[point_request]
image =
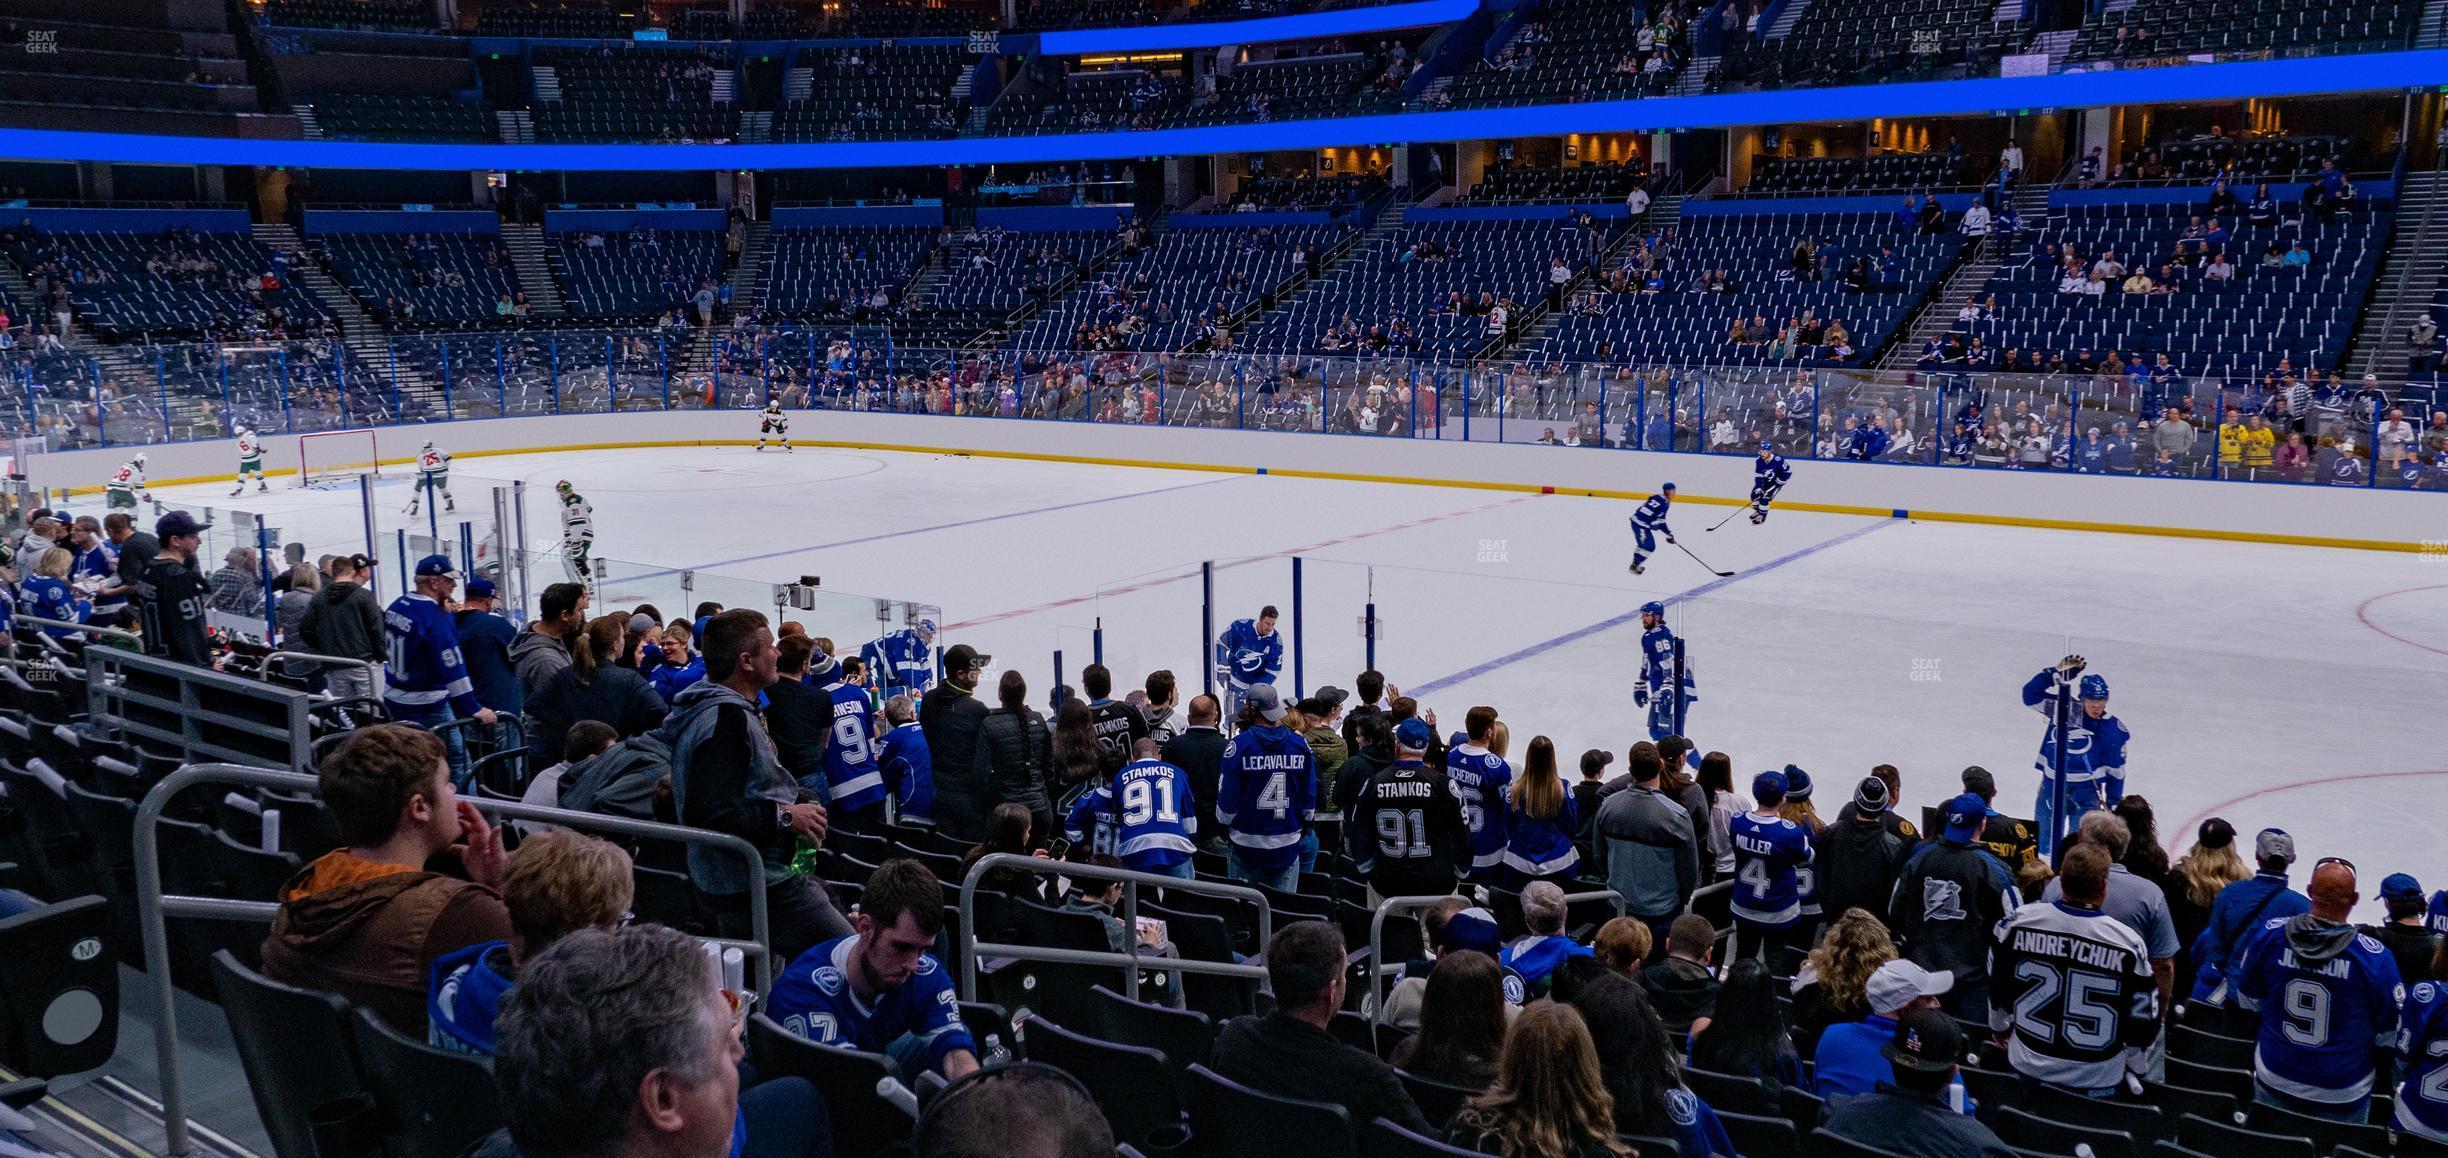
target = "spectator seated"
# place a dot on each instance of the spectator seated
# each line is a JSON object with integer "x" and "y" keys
{"x": 2164, "y": 28}
{"x": 180, "y": 284}
{"x": 837, "y": 272}
{"x": 1338, "y": 194}
{"x": 406, "y": 280}
{"x": 2199, "y": 159}
{"x": 873, "y": 94}
{"x": 580, "y": 21}
{"x": 123, "y": 62}
{"x": 636, "y": 273}
{"x": 1112, "y": 98}
{"x": 1884, "y": 173}
{"x": 1847, "y": 44}
{"x": 1327, "y": 84}
{"x": 401, "y": 117}
{"x": 1580, "y": 50}
{"x": 1429, "y": 289}
{"x": 1170, "y": 294}
{"x": 996, "y": 271}
{"x": 628, "y": 93}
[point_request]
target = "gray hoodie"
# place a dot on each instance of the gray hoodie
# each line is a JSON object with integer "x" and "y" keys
{"x": 726, "y": 777}
{"x": 344, "y": 622}
{"x": 536, "y": 658}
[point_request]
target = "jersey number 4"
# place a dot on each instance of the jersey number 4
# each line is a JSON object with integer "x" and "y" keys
{"x": 1276, "y": 796}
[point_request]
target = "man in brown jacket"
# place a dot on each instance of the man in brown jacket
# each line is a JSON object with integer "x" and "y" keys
{"x": 367, "y": 920}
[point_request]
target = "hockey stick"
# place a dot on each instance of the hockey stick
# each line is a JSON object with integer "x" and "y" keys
{"x": 1697, "y": 559}
{"x": 1730, "y": 518}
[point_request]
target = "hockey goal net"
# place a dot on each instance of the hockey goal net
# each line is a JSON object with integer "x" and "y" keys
{"x": 333, "y": 457}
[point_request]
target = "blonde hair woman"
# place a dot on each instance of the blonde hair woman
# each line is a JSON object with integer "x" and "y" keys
{"x": 1548, "y": 1101}
{"x": 1832, "y": 983}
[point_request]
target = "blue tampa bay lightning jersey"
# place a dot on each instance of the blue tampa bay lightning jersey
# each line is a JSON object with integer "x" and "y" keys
{"x": 2422, "y": 1051}
{"x": 1657, "y": 663}
{"x": 900, "y": 661}
{"x": 47, "y": 598}
{"x": 2328, "y": 996}
{"x": 425, "y": 668}
{"x": 1767, "y": 854}
{"x": 1652, "y": 512}
{"x": 813, "y": 999}
{"x": 2095, "y": 749}
{"x": 1480, "y": 778}
{"x": 1767, "y": 474}
{"x": 852, "y": 775}
{"x": 1266, "y": 793}
{"x": 1247, "y": 657}
{"x": 910, "y": 769}
{"x": 1142, "y": 818}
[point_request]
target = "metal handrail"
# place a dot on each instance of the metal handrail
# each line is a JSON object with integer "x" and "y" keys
{"x": 324, "y": 660}
{"x": 94, "y": 630}
{"x": 153, "y": 907}
{"x": 1377, "y": 964}
{"x": 1129, "y": 959}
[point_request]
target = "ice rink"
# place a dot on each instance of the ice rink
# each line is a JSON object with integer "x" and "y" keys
{"x": 2299, "y": 687}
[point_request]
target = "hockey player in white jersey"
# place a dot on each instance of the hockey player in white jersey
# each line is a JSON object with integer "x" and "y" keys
{"x": 127, "y": 484}
{"x": 250, "y": 462}
{"x": 774, "y": 423}
{"x": 433, "y": 477}
{"x": 1768, "y": 476}
{"x": 577, "y": 533}
{"x": 1648, "y": 523}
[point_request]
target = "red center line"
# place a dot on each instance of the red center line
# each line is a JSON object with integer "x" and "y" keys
{"x": 1161, "y": 580}
{"x": 2193, "y": 826}
{"x": 2361, "y": 612}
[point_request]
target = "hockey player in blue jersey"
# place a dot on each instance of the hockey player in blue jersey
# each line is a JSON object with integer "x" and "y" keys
{"x": 1768, "y": 852}
{"x": 1248, "y": 654}
{"x": 879, "y": 989}
{"x": 2422, "y": 1056}
{"x": 855, "y": 782}
{"x": 425, "y": 680}
{"x": 2328, "y": 998}
{"x": 1648, "y": 523}
{"x": 2095, "y": 748}
{"x": 1768, "y": 476}
{"x": 1667, "y": 713}
{"x": 1143, "y": 817}
{"x": 903, "y": 661}
{"x": 1265, "y": 794}
{"x": 1480, "y": 779}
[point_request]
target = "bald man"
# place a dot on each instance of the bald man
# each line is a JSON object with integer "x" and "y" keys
{"x": 2328, "y": 998}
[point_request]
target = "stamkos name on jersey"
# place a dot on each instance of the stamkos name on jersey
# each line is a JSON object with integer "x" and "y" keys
{"x": 2057, "y": 945}
{"x": 1387, "y": 788}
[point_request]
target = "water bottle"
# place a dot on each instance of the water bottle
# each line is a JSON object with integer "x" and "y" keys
{"x": 1955, "y": 1095}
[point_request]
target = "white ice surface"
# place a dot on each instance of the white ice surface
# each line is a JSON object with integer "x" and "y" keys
{"x": 2288, "y": 686}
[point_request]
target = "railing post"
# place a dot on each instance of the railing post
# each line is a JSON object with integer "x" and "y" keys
{"x": 1206, "y": 649}
{"x": 552, "y": 373}
{"x": 450, "y": 402}
{"x": 501, "y": 382}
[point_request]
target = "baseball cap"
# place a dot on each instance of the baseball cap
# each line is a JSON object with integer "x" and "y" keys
{"x": 480, "y": 589}
{"x": 1768, "y": 784}
{"x": 432, "y": 566}
{"x": 1965, "y": 815}
{"x": 1472, "y": 929}
{"x": 1264, "y": 698}
{"x": 1414, "y": 734}
{"x": 1977, "y": 779}
{"x": 2216, "y": 833}
{"x": 177, "y": 523}
{"x": 2274, "y": 843}
{"x": 640, "y": 623}
{"x": 2401, "y": 887}
{"x": 1870, "y": 796}
{"x": 1926, "y": 1041}
{"x": 1897, "y": 983}
{"x": 1332, "y": 695}
{"x": 962, "y": 657}
{"x": 1595, "y": 761}
{"x": 1797, "y": 783}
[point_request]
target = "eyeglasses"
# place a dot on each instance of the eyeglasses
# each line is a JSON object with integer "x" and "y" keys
{"x": 741, "y": 1001}
{"x": 2326, "y": 861}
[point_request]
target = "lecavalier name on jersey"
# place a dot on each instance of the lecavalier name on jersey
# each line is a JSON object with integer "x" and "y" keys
{"x": 2042, "y": 943}
{"x": 1265, "y": 763}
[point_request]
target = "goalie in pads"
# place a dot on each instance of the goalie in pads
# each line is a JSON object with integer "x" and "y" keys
{"x": 577, "y": 533}
{"x": 774, "y": 423}
{"x": 433, "y": 477}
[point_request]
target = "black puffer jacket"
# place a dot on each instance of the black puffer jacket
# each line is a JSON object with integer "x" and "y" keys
{"x": 1013, "y": 752}
{"x": 948, "y": 716}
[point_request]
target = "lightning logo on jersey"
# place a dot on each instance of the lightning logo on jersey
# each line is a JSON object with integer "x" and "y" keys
{"x": 1768, "y": 476}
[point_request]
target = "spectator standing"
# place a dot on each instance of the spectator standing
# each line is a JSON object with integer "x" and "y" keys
{"x": 289, "y": 614}
{"x": 1290, "y": 1054}
{"x": 1652, "y": 856}
{"x": 949, "y": 714}
{"x": 369, "y": 920}
{"x": 674, "y": 668}
{"x": 1266, "y": 793}
{"x": 2193, "y": 888}
{"x": 1321, "y": 715}
{"x": 238, "y": 587}
{"x": 2396, "y": 441}
{"x": 1909, "y": 1115}
{"x": 1199, "y": 752}
{"x": 854, "y": 783}
{"x": 1118, "y": 725}
{"x": 1541, "y": 816}
{"x": 596, "y": 686}
{"x": 1405, "y": 828}
{"x": 908, "y": 769}
{"x": 2241, "y": 908}
{"x": 1768, "y": 848}
{"x": 2070, "y": 964}
{"x": 484, "y": 645}
{"x": 799, "y": 713}
{"x": 344, "y": 623}
{"x": 2132, "y": 901}
{"x": 1860, "y": 857}
{"x": 544, "y": 649}
{"x": 2328, "y": 1000}
{"x": 2405, "y": 935}
{"x": 1164, "y": 716}
{"x": 1015, "y": 752}
{"x": 1951, "y": 895}
{"x": 725, "y": 777}
{"x": 1548, "y": 1100}
{"x": 1142, "y": 815}
{"x": 171, "y": 598}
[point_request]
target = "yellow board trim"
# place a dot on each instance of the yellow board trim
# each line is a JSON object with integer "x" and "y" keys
{"x": 1465, "y": 484}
